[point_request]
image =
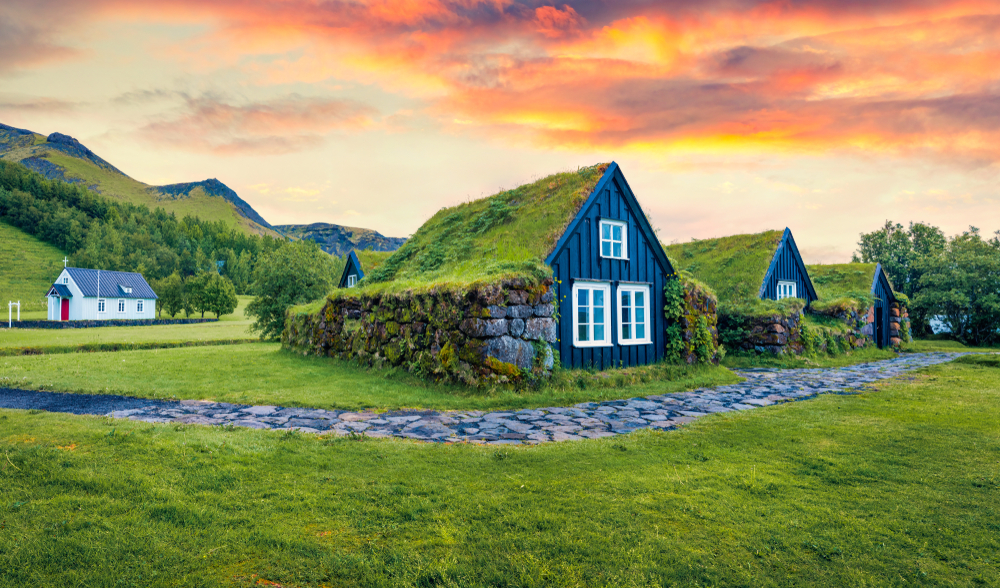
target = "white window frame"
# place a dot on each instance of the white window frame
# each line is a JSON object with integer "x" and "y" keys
{"x": 65, "y": 280}
{"x": 785, "y": 289}
{"x": 611, "y": 242}
{"x": 604, "y": 287}
{"x": 138, "y": 306}
{"x": 352, "y": 280}
{"x": 101, "y": 305}
{"x": 121, "y": 306}
{"x": 631, "y": 289}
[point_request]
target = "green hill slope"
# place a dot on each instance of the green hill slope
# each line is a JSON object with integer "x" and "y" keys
{"x": 27, "y": 269}
{"x": 339, "y": 240}
{"x": 61, "y": 157}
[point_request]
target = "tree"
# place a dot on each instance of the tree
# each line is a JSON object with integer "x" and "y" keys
{"x": 197, "y": 292}
{"x": 901, "y": 251}
{"x": 170, "y": 291}
{"x": 961, "y": 285}
{"x": 220, "y": 295}
{"x": 293, "y": 274}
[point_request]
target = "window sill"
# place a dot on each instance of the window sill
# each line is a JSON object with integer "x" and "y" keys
{"x": 614, "y": 258}
{"x": 636, "y": 342}
{"x": 585, "y": 345}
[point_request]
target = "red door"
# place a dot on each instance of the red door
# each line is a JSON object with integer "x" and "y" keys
{"x": 65, "y": 309}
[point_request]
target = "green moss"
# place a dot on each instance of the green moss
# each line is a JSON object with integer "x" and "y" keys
{"x": 835, "y": 280}
{"x": 733, "y": 267}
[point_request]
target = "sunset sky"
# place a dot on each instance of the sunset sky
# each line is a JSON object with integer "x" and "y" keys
{"x": 726, "y": 116}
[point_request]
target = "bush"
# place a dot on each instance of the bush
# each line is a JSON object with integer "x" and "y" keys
{"x": 296, "y": 273}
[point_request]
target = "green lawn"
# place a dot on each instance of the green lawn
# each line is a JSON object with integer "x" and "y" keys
{"x": 931, "y": 345}
{"x": 230, "y": 327}
{"x": 27, "y": 269}
{"x": 737, "y": 361}
{"x": 899, "y": 487}
{"x": 262, "y": 373}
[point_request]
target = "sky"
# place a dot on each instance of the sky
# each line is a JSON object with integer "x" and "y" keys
{"x": 726, "y": 116}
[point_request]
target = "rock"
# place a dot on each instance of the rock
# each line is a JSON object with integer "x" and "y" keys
{"x": 510, "y": 350}
{"x": 544, "y": 310}
{"x": 775, "y": 328}
{"x": 517, "y": 297}
{"x": 540, "y": 329}
{"x": 497, "y": 312}
{"x": 548, "y": 296}
{"x": 516, "y": 327}
{"x": 522, "y": 311}
{"x": 894, "y": 312}
{"x": 548, "y": 359}
{"x": 484, "y": 328}
{"x": 260, "y": 410}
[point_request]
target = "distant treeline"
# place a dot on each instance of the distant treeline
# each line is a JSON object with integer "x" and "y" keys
{"x": 98, "y": 232}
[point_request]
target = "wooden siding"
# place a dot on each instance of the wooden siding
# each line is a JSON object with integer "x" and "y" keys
{"x": 882, "y": 291}
{"x": 352, "y": 267}
{"x": 787, "y": 267}
{"x": 578, "y": 259}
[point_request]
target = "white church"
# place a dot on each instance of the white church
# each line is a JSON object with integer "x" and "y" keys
{"x": 96, "y": 295}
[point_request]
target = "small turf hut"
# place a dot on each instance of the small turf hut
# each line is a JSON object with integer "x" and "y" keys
{"x": 765, "y": 266}
{"x": 488, "y": 289}
{"x": 358, "y": 262}
{"x": 847, "y": 285}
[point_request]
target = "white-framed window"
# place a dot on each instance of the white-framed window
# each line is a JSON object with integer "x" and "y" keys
{"x": 633, "y": 315}
{"x": 614, "y": 237}
{"x": 352, "y": 280}
{"x": 65, "y": 280}
{"x": 100, "y": 305}
{"x": 786, "y": 290}
{"x": 138, "y": 306}
{"x": 591, "y": 314}
{"x": 121, "y": 305}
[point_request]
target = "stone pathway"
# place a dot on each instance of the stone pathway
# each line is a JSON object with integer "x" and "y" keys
{"x": 763, "y": 387}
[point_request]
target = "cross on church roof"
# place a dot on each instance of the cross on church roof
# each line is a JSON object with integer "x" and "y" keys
{"x": 65, "y": 261}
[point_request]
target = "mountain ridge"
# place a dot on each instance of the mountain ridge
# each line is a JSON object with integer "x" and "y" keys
{"x": 339, "y": 239}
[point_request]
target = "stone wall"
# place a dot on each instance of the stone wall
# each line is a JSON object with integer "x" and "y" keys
{"x": 490, "y": 334}
{"x": 693, "y": 324}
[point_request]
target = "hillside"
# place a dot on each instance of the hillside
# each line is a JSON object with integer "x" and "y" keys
{"x": 61, "y": 157}
{"x": 339, "y": 240}
{"x": 29, "y": 268}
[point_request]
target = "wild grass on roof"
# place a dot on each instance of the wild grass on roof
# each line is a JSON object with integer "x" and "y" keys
{"x": 507, "y": 235}
{"x": 834, "y": 280}
{"x": 371, "y": 260}
{"x": 733, "y": 266}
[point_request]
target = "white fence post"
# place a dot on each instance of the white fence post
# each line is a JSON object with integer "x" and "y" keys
{"x": 10, "y": 312}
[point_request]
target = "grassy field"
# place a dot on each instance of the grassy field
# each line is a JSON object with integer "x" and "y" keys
{"x": 899, "y": 487}
{"x": 736, "y": 361}
{"x": 261, "y": 373}
{"x": 931, "y": 345}
{"x": 29, "y": 267}
{"x": 229, "y": 327}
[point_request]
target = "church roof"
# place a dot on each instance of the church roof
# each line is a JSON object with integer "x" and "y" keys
{"x": 113, "y": 284}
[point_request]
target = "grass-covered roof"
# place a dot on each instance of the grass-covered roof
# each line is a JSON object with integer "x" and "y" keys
{"x": 506, "y": 235}
{"x": 835, "y": 280}
{"x": 734, "y": 266}
{"x": 371, "y": 260}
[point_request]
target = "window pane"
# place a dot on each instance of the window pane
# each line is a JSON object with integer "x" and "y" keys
{"x": 640, "y": 331}
{"x": 581, "y": 316}
{"x": 626, "y": 331}
{"x": 640, "y": 299}
{"x": 606, "y": 248}
{"x": 582, "y": 333}
{"x": 640, "y": 314}
{"x": 598, "y": 332}
{"x": 626, "y": 314}
{"x": 616, "y": 233}
{"x": 582, "y": 296}
{"x": 618, "y": 250}
{"x": 605, "y": 231}
{"x": 598, "y": 300}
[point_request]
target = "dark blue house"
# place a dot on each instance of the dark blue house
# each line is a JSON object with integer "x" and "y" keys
{"x": 610, "y": 271}
{"x": 884, "y": 299}
{"x": 358, "y": 262}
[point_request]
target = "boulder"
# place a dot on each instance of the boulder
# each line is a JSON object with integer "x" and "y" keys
{"x": 775, "y": 328}
{"x": 497, "y": 312}
{"x": 484, "y": 328}
{"x": 548, "y": 359}
{"x": 547, "y": 297}
{"x": 516, "y": 327}
{"x": 510, "y": 350}
{"x": 517, "y": 297}
{"x": 544, "y": 310}
{"x": 521, "y": 311}
{"x": 540, "y": 329}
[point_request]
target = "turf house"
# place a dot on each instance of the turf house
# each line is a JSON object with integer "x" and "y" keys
{"x": 566, "y": 269}
{"x": 357, "y": 263}
{"x": 762, "y": 285}
{"x": 86, "y": 294}
{"x": 865, "y": 289}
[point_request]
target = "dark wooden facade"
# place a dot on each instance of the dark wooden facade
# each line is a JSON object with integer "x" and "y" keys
{"x": 884, "y": 297}
{"x": 353, "y": 267}
{"x": 787, "y": 266}
{"x": 577, "y": 258}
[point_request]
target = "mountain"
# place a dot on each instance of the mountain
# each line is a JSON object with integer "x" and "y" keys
{"x": 61, "y": 157}
{"x": 339, "y": 240}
